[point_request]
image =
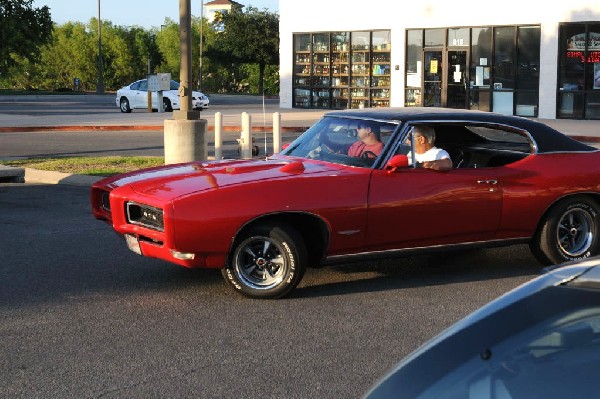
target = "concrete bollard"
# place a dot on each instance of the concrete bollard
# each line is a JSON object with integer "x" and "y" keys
{"x": 185, "y": 140}
{"x": 276, "y": 132}
{"x": 246, "y": 136}
{"x": 218, "y": 135}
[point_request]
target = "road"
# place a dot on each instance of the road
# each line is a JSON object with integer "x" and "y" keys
{"x": 89, "y": 112}
{"x": 101, "y": 110}
{"x": 83, "y": 317}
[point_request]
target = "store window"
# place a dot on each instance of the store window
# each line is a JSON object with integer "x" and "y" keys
{"x": 578, "y": 94}
{"x": 528, "y": 71}
{"x": 339, "y": 70}
{"x": 482, "y": 68}
{"x": 458, "y": 37}
{"x": 504, "y": 69}
{"x": 380, "y": 69}
{"x": 414, "y": 54}
{"x": 302, "y": 51}
{"x": 434, "y": 37}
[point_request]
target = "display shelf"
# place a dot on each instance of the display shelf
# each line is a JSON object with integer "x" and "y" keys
{"x": 342, "y": 70}
{"x": 380, "y": 103}
{"x": 321, "y": 98}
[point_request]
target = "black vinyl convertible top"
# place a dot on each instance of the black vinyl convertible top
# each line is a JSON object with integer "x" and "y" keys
{"x": 546, "y": 138}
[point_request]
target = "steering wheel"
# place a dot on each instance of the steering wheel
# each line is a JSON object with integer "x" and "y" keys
{"x": 368, "y": 155}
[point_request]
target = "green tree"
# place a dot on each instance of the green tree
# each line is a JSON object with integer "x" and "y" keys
{"x": 23, "y": 30}
{"x": 250, "y": 37}
{"x": 72, "y": 53}
{"x": 167, "y": 41}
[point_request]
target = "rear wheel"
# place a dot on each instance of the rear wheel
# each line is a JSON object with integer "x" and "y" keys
{"x": 267, "y": 262}
{"x": 569, "y": 232}
{"x": 124, "y": 105}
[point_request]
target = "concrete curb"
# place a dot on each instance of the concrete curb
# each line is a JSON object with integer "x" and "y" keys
{"x": 12, "y": 174}
{"x": 48, "y": 177}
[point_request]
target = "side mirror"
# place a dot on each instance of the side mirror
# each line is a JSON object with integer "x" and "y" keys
{"x": 397, "y": 161}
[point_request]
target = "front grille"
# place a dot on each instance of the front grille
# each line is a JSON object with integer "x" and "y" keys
{"x": 144, "y": 215}
{"x": 105, "y": 200}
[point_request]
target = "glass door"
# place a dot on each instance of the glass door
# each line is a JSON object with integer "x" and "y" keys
{"x": 432, "y": 78}
{"x": 456, "y": 79}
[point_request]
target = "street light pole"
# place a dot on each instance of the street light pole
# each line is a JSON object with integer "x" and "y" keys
{"x": 184, "y": 135}
{"x": 201, "y": 43}
{"x": 185, "y": 67}
{"x": 100, "y": 84}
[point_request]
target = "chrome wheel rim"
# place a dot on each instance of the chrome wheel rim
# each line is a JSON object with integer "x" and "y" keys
{"x": 575, "y": 232}
{"x": 258, "y": 263}
{"x": 123, "y": 105}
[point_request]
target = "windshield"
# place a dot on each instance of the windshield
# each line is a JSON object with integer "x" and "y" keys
{"x": 345, "y": 141}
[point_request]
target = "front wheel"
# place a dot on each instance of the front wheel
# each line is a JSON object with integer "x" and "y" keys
{"x": 569, "y": 232}
{"x": 124, "y": 105}
{"x": 267, "y": 262}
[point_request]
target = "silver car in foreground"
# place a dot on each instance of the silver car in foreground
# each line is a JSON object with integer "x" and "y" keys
{"x": 541, "y": 340}
{"x": 135, "y": 96}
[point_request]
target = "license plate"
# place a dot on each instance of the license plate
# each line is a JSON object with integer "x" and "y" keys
{"x": 133, "y": 244}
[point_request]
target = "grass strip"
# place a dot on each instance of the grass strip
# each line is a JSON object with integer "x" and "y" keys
{"x": 93, "y": 166}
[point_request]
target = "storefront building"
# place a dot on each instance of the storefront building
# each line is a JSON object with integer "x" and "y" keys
{"x": 523, "y": 59}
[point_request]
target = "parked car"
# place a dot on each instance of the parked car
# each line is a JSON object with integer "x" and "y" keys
{"x": 135, "y": 96}
{"x": 541, "y": 340}
{"x": 263, "y": 222}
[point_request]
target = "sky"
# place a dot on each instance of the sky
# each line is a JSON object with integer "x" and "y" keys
{"x": 145, "y": 13}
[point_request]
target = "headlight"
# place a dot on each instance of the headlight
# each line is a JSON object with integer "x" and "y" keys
{"x": 144, "y": 215}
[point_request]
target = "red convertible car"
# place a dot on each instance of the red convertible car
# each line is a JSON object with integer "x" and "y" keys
{"x": 263, "y": 222}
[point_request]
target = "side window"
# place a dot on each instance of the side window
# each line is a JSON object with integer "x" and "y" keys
{"x": 405, "y": 145}
{"x": 135, "y": 86}
{"x": 143, "y": 85}
{"x": 473, "y": 145}
{"x": 499, "y": 146}
{"x": 386, "y": 131}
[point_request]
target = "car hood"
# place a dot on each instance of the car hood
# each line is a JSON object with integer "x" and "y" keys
{"x": 168, "y": 182}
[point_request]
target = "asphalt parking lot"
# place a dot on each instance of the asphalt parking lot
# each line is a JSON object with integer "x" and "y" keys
{"x": 84, "y": 317}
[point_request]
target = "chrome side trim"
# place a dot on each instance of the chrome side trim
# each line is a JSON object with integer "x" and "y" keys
{"x": 417, "y": 250}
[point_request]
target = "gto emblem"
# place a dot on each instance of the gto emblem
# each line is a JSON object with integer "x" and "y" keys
{"x": 149, "y": 215}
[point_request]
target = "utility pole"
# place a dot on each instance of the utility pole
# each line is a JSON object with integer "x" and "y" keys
{"x": 201, "y": 43}
{"x": 100, "y": 84}
{"x": 185, "y": 134}
{"x": 185, "y": 67}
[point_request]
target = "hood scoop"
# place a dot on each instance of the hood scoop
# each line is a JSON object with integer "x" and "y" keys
{"x": 293, "y": 167}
